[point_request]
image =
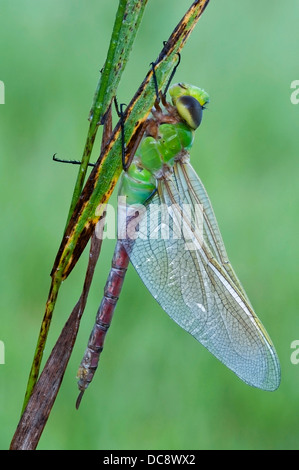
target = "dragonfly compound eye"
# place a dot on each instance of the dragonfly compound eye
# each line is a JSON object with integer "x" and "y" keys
{"x": 190, "y": 110}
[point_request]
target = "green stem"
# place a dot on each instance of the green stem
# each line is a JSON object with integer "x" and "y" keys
{"x": 33, "y": 376}
{"x": 126, "y": 24}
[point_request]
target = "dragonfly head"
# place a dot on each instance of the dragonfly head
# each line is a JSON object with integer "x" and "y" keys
{"x": 189, "y": 101}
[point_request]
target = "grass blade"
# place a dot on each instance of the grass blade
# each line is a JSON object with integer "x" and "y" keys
{"x": 127, "y": 21}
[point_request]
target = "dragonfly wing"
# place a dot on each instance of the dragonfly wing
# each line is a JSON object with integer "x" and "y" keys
{"x": 189, "y": 275}
{"x": 192, "y": 191}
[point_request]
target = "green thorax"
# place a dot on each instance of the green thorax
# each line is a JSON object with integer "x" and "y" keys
{"x": 152, "y": 156}
{"x": 155, "y": 155}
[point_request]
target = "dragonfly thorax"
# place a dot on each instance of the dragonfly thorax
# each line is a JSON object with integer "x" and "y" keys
{"x": 169, "y": 137}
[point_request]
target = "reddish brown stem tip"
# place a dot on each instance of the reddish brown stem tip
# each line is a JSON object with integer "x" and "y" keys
{"x": 78, "y": 401}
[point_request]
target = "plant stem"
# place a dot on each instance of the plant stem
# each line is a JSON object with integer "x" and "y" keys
{"x": 126, "y": 24}
{"x": 127, "y": 21}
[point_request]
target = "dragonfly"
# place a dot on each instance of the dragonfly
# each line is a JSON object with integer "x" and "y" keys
{"x": 168, "y": 231}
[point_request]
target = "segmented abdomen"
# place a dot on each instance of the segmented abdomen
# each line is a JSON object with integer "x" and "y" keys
{"x": 104, "y": 316}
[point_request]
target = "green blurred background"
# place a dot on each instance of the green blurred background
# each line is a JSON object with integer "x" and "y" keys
{"x": 156, "y": 387}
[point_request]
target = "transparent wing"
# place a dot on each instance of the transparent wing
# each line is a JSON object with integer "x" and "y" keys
{"x": 180, "y": 256}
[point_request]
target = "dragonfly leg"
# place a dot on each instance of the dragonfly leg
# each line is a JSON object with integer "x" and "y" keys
{"x": 120, "y": 113}
{"x": 157, "y": 101}
{"x": 163, "y": 95}
{"x": 73, "y": 162}
{"x": 128, "y": 152}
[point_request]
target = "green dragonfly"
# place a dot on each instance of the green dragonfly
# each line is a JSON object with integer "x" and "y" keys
{"x": 168, "y": 230}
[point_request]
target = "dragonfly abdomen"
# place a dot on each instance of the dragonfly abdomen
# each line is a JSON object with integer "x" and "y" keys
{"x": 104, "y": 316}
